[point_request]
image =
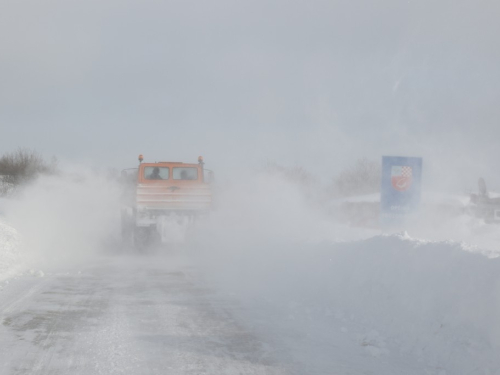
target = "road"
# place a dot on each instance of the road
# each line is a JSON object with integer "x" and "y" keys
{"x": 127, "y": 315}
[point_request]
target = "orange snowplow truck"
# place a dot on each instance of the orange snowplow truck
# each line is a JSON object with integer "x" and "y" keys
{"x": 162, "y": 199}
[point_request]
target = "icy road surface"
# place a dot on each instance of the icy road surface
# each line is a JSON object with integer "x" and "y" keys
{"x": 132, "y": 315}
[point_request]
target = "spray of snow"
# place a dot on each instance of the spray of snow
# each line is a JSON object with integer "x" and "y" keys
{"x": 60, "y": 219}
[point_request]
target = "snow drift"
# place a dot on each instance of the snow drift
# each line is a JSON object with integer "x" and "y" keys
{"x": 394, "y": 302}
{"x": 353, "y": 300}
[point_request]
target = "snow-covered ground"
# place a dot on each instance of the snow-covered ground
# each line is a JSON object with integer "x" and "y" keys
{"x": 310, "y": 295}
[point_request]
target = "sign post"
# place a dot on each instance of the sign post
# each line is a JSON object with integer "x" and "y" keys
{"x": 400, "y": 190}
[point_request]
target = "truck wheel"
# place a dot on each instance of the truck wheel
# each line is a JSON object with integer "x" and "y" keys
{"x": 141, "y": 238}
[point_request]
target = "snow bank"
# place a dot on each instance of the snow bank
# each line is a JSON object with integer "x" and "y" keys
{"x": 10, "y": 257}
{"x": 430, "y": 302}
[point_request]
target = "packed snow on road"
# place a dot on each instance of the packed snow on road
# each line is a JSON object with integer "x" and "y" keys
{"x": 269, "y": 284}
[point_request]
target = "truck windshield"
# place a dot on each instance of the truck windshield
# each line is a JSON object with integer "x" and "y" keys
{"x": 185, "y": 173}
{"x": 156, "y": 173}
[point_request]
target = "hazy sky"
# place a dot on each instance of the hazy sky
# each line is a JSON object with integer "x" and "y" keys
{"x": 317, "y": 83}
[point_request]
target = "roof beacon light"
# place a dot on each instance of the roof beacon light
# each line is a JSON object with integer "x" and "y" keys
{"x": 141, "y": 158}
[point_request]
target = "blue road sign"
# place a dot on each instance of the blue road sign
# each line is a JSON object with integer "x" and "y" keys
{"x": 400, "y": 191}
